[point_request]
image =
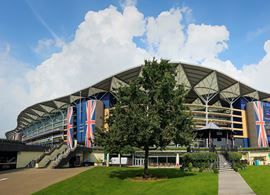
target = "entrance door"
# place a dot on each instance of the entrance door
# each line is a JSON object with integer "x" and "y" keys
{"x": 138, "y": 162}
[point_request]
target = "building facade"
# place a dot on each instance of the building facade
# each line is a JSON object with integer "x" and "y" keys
{"x": 212, "y": 97}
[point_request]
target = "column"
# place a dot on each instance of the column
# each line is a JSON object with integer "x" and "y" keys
{"x": 108, "y": 160}
{"x": 209, "y": 139}
{"x": 119, "y": 157}
{"x": 227, "y": 140}
{"x": 177, "y": 159}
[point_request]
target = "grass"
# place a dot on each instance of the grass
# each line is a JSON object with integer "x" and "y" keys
{"x": 258, "y": 178}
{"x": 114, "y": 180}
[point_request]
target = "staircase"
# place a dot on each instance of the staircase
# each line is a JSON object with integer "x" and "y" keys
{"x": 48, "y": 158}
{"x": 224, "y": 165}
{"x": 63, "y": 158}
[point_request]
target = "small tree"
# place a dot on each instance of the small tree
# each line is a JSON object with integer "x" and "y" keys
{"x": 149, "y": 113}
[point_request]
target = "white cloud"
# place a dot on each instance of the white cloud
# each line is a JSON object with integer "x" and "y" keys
{"x": 165, "y": 36}
{"x": 208, "y": 40}
{"x": 104, "y": 44}
{"x": 168, "y": 36}
{"x": 258, "y": 74}
{"x": 47, "y": 44}
{"x": 14, "y": 94}
{"x": 127, "y": 3}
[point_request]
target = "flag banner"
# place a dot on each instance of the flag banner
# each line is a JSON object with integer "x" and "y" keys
{"x": 90, "y": 122}
{"x": 260, "y": 124}
{"x": 80, "y": 121}
{"x": 70, "y": 134}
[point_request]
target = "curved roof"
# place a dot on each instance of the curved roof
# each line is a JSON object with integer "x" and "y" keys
{"x": 200, "y": 81}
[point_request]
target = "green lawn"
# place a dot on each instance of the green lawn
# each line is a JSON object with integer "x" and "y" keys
{"x": 116, "y": 180}
{"x": 258, "y": 178}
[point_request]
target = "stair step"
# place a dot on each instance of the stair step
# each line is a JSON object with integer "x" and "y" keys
{"x": 231, "y": 170}
{"x": 225, "y": 169}
{"x": 224, "y": 165}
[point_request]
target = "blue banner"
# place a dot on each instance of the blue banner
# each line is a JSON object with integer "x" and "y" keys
{"x": 81, "y": 121}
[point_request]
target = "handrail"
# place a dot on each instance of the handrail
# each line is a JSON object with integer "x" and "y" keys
{"x": 48, "y": 153}
{"x": 63, "y": 155}
{"x": 48, "y": 158}
{"x": 215, "y": 113}
{"x": 210, "y": 106}
{"x": 31, "y": 164}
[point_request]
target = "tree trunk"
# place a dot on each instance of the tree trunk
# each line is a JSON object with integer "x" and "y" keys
{"x": 146, "y": 155}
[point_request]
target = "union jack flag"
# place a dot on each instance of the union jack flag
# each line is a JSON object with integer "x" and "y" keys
{"x": 260, "y": 125}
{"x": 70, "y": 127}
{"x": 90, "y": 122}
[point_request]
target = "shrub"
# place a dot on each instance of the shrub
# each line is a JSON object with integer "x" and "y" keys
{"x": 182, "y": 168}
{"x": 201, "y": 169}
{"x": 235, "y": 169}
{"x": 215, "y": 170}
{"x": 238, "y": 166}
{"x": 234, "y": 156}
{"x": 235, "y": 159}
{"x": 199, "y": 159}
{"x": 190, "y": 166}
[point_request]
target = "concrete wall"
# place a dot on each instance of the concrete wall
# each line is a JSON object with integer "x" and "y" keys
{"x": 24, "y": 157}
{"x": 95, "y": 156}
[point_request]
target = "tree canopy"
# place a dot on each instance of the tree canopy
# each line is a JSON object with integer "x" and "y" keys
{"x": 149, "y": 113}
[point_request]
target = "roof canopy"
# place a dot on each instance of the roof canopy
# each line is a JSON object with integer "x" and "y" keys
{"x": 197, "y": 80}
{"x": 213, "y": 131}
{"x": 210, "y": 126}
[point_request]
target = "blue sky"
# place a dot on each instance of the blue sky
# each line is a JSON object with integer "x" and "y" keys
{"x": 51, "y": 48}
{"x": 247, "y": 22}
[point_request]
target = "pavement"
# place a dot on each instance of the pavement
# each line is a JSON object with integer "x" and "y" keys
{"x": 27, "y": 181}
{"x": 229, "y": 181}
{"x": 232, "y": 183}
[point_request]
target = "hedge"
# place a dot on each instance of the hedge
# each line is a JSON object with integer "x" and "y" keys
{"x": 200, "y": 159}
{"x": 235, "y": 159}
{"x": 234, "y": 156}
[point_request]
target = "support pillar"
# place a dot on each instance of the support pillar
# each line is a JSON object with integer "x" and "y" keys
{"x": 206, "y": 112}
{"x": 177, "y": 160}
{"x": 209, "y": 139}
{"x": 108, "y": 160}
{"x": 119, "y": 158}
{"x": 232, "y": 127}
{"x": 227, "y": 137}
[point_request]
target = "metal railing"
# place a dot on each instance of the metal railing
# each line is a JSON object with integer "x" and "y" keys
{"x": 44, "y": 162}
{"x": 64, "y": 154}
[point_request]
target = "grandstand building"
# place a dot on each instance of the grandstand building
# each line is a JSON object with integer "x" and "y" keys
{"x": 213, "y": 97}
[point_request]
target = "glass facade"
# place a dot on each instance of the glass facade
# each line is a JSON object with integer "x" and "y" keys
{"x": 48, "y": 130}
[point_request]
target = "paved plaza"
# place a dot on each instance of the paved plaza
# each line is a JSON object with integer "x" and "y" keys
{"x": 27, "y": 181}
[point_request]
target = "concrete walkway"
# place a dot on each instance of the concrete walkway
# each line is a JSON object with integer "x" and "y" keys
{"x": 27, "y": 181}
{"x": 232, "y": 183}
{"x": 229, "y": 181}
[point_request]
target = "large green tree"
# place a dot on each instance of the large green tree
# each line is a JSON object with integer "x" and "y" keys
{"x": 149, "y": 113}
